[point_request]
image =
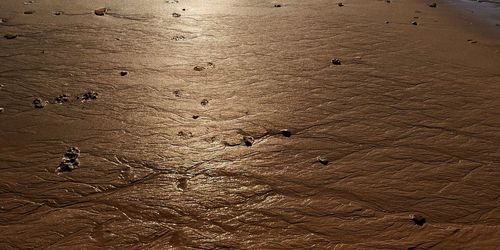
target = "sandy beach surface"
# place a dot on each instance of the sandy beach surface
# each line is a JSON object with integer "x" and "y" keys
{"x": 229, "y": 124}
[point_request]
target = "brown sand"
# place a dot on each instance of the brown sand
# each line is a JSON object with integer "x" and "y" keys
{"x": 409, "y": 124}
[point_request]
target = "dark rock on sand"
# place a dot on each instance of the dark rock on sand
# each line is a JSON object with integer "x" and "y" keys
{"x": 10, "y": 36}
{"x": 62, "y": 98}
{"x": 323, "y": 160}
{"x": 277, "y": 5}
{"x": 176, "y": 14}
{"x": 286, "y": 132}
{"x": 182, "y": 183}
{"x": 433, "y": 5}
{"x": 178, "y": 37}
{"x": 39, "y": 103}
{"x": 414, "y": 23}
{"x": 204, "y": 102}
{"x": 58, "y": 13}
{"x": 29, "y": 12}
{"x": 70, "y": 160}
{"x": 341, "y": 4}
{"x": 336, "y": 61}
{"x": 124, "y": 73}
{"x": 183, "y": 9}
{"x": 89, "y": 95}
{"x": 248, "y": 141}
{"x": 1, "y": 110}
{"x": 185, "y": 134}
{"x": 196, "y": 117}
{"x": 199, "y": 68}
{"x": 177, "y": 93}
{"x": 418, "y": 219}
{"x": 101, "y": 11}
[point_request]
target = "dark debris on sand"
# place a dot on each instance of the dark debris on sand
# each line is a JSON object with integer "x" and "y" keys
{"x": 248, "y": 141}
{"x": 286, "y": 132}
{"x": 433, "y": 5}
{"x": 323, "y": 160}
{"x": 70, "y": 160}
{"x": 204, "y": 102}
{"x": 418, "y": 219}
{"x": 176, "y": 14}
{"x": 89, "y": 95}
{"x": 124, "y": 73}
{"x": 29, "y": 12}
{"x": 10, "y": 36}
{"x": 62, "y": 98}
{"x": 336, "y": 61}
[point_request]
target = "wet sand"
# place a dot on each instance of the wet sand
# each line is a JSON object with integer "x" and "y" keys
{"x": 226, "y": 125}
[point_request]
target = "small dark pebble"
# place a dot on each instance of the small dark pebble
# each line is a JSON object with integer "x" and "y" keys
{"x": 39, "y": 103}
{"x": 418, "y": 220}
{"x": 177, "y": 93}
{"x": 248, "y": 140}
{"x": 89, "y": 95}
{"x": 176, "y": 14}
{"x": 204, "y": 102}
{"x": 323, "y": 160}
{"x": 388, "y": 1}
{"x": 58, "y": 13}
{"x": 386, "y": 22}
{"x": 62, "y": 98}
{"x": 183, "y": 9}
{"x": 1, "y": 110}
{"x": 178, "y": 37}
{"x": 199, "y": 68}
{"x": 277, "y": 5}
{"x": 3, "y": 20}
{"x": 286, "y": 132}
{"x": 123, "y": 73}
{"x": 433, "y": 5}
{"x": 101, "y": 11}
{"x": 10, "y": 36}
{"x": 341, "y": 4}
{"x": 29, "y": 12}
{"x": 336, "y": 61}
{"x": 414, "y": 23}
{"x": 196, "y": 117}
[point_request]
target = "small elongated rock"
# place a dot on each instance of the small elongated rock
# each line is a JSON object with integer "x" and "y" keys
{"x": 29, "y": 12}
{"x": 323, "y": 160}
{"x": 70, "y": 160}
{"x": 62, "y": 98}
{"x": 414, "y": 23}
{"x": 199, "y": 68}
{"x": 433, "y": 5}
{"x": 176, "y": 14}
{"x": 124, "y": 73}
{"x": 341, "y": 4}
{"x": 204, "y": 102}
{"x": 101, "y": 11}
{"x": 10, "y": 36}
{"x": 1, "y": 110}
{"x": 277, "y": 5}
{"x": 286, "y": 132}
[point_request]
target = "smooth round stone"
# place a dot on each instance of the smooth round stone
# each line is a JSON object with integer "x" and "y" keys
{"x": 101, "y": 11}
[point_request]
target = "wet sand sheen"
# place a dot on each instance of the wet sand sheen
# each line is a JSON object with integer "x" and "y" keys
{"x": 247, "y": 124}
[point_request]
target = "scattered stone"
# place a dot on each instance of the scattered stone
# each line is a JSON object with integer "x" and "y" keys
{"x": 178, "y": 38}
{"x": 1, "y": 110}
{"x": 433, "y": 5}
{"x": 177, "y": 93}
{"x": 286, "y": 132}
{"x": 277, "y": 5}
{"x": 386, "y": 22}
{"x": 101, "y": 11}
{"x": 185, "y": 134}
{"x": 70, "y": 160}
{"x": 176, "y": 14}
{"x": 29, "y": 2}
{"x": 183, "y": 9}
{"x": 29, "y": 12}
{"x": 204, "y": 102}
{"x": 248, "y": 140}
{"x": 62, "y": 98}
{"x": 196, "y": 117}
{"x": 388, "y": 1}
{"x": 341, "y": 4}
{"x": 124, "y": 73}
{"x": 58, "y": 13}
{"x": 418, "y": 220}
{"x": 323, "y": 160}
{"x": 414, "y": 23}
{"x": 89, "y": 95}
{"x": 10, "y": 36}
{"x": 39, "y": 103}
{"x": 471, "y": 41}
{"x": 3, "y": 20}
{"x": 182, "y": 183}
{"x": 199, "y": 68}
{"x": 336, "y": 61}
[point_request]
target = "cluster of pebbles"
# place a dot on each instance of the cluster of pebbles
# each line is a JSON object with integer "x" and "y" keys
{"x": 64, "y": 98}
{"x": 70, "y": 160}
